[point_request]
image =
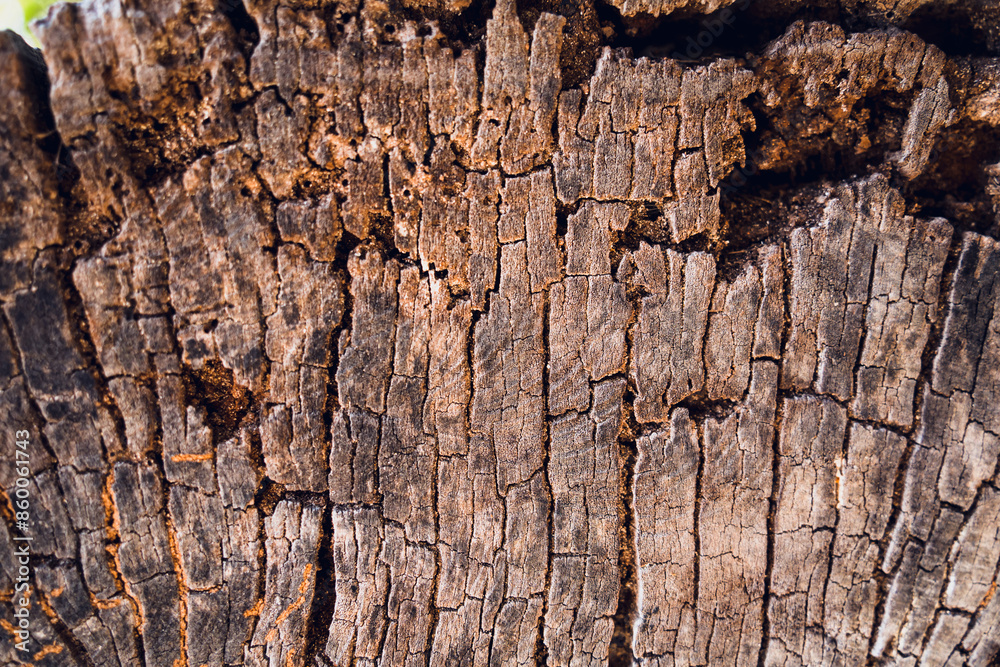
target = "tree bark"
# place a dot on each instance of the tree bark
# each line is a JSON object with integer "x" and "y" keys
{"x": 444, "y": 333}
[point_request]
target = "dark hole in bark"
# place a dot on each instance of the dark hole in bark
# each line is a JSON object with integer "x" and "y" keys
{"x": 225, "y": 402}
{"x": 247, "y": 33}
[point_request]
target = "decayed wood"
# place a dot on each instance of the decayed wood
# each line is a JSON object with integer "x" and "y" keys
{"x": 363, "y": 334}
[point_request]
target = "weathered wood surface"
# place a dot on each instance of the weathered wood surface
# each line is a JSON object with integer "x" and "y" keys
{"x": 362, "y": 334}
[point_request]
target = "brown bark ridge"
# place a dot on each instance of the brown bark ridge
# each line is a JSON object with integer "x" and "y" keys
{"x": 452, "y": 333}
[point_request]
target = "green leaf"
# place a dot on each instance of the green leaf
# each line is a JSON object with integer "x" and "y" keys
{"x": 33, "y": 9}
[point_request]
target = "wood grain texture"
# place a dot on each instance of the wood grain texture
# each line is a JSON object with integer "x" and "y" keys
{"x": 398, "y": 334}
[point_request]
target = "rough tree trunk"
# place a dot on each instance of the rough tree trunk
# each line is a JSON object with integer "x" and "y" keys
{"x": 424, "y": 332}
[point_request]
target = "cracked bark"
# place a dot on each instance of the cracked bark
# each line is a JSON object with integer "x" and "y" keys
{"x": 444, "y": 333}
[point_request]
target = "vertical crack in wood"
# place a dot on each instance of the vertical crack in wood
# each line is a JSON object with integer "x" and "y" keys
{"x": 621, "y": 652}
{"x": 541, "y": 652}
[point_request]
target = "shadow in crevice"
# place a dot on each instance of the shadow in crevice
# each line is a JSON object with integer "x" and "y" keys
{"x": 620, "y": 648}
{"x": 956, "y": 182}
{"x": 733, "y": 31}
{"x": 247, "y": 32}
{"x": 747, "y": 26}
{"x": 225, "y": 403}
{"x": 958, "y": 29}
